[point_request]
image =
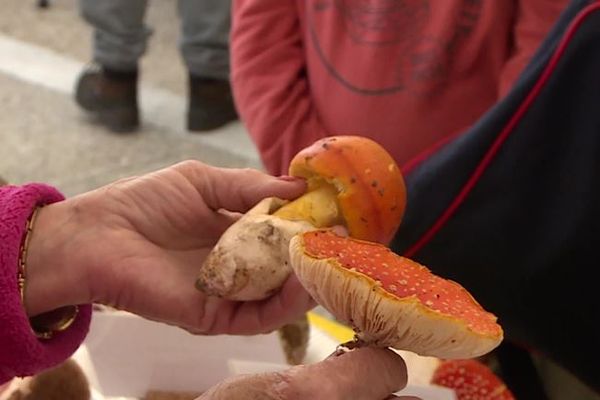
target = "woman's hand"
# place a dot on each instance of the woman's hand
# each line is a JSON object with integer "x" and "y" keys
{"x": 138, "y": 244}
{"x": 361, "y": 374}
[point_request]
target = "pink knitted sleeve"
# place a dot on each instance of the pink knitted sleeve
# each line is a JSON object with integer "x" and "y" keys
{"x": 21, "y": 353}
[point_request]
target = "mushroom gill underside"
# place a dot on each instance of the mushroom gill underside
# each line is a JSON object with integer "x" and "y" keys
{"x": 383, "y": 319}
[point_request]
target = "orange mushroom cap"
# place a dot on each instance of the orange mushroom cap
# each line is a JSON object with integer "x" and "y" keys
{"x": 371, "y": 190}
{"x": 390, "y": 300}
{"x": 471, "y": 380}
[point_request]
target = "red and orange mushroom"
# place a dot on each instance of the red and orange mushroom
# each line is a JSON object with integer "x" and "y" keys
{"x": 392, "y": 301}
{"x": 351, "y": 182}
{"x": 471, "y": 380}
{"x": 389, "y": 300}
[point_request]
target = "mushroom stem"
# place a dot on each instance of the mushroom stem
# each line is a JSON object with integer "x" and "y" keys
{"x": 319, "y": 207}
{"x": 251, "y": 260}
{"x": 294, "y": 340}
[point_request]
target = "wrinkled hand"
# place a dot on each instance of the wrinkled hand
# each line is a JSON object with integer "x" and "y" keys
{"x": 138, "y": 244}
{"x": 362, "y": 374}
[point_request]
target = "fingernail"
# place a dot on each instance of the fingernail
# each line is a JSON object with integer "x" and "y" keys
{"x": 335, "y": 354}
{"x": 340, "y": 350}
{"x": 288, "y": 178}
{"x": 340, "y": 230}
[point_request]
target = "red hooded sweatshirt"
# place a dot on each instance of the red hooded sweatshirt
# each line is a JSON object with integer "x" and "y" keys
{"x": 406, "y": 73}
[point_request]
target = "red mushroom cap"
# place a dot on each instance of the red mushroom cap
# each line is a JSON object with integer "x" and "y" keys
{"x": 371, "y": 189}
{"x": 391, "y": 300}
{"x": 471, "y": 380}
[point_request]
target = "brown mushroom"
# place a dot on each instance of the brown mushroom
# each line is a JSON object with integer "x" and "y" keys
{"x": 294, "y": 340}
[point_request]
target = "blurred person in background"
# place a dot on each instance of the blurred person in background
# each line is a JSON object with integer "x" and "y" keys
{"x": 410, "y": 74}
{"x": 109, "y": 87}
{"x": 406, "y": 73}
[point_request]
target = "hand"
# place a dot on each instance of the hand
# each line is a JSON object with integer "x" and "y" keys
{"x": 362, "y": 374}
{"x": 138, "y": 244}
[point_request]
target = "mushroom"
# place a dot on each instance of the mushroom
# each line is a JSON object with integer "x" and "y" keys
{"x": 356, "y": 181}
{"x": 250, "y": 261}
{"x": 65, "y": 381}
{"x": 471, "y": 380}
{"x": 351, "y": 181}
{"x": 294, "y": 340}
{"x": 391, "y": 301}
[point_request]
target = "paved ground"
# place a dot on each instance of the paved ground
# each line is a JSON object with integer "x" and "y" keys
{"x": 44, "y": 137}
{"x": 61, "y": 29}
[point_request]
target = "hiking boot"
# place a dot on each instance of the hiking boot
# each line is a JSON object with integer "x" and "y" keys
{"x": 111, "y": 96}
{"x": 210, "y": 104}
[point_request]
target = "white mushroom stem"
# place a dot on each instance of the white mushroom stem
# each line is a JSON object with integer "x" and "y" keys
{"x": 251, "y": 260}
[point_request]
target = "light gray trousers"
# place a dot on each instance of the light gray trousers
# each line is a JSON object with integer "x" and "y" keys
{"x": 120, "y": 34}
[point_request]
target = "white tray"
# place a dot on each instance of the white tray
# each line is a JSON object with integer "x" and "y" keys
{"x": 124, "y": 356}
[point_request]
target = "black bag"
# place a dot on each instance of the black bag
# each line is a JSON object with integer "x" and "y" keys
{"x": 511, "y": 208}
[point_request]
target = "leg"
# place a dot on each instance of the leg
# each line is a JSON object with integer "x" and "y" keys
{"x": 119, "y": 32}
{"x": 205, "y": 37}
{"x": 205, "y": 50}
{"x": 109, "y": 89}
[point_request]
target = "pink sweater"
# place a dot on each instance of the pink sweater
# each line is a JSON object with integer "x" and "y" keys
{"x": 406, "y": 73}
{"x": 21, "y": 353}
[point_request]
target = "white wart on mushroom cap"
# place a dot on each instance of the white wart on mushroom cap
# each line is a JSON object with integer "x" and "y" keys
{"x": 391, "y": 301}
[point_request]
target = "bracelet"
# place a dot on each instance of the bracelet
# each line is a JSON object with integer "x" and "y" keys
{"x": 44, "y": 326}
